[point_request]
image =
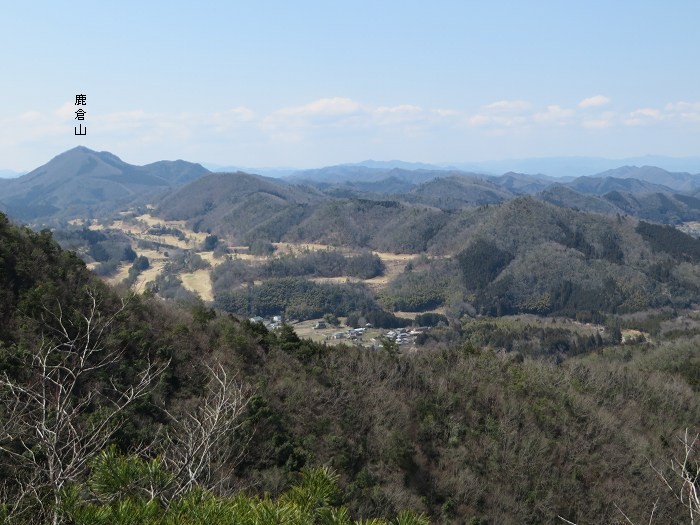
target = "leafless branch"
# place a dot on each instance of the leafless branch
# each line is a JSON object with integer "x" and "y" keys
{"x": 45, "y": 431}
{"x": 199, "y": 444}
{"x": 686, "y": 469}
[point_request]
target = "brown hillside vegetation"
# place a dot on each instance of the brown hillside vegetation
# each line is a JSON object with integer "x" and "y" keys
{"x": 465, "y": 430}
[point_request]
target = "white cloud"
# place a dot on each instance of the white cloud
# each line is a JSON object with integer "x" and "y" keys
{"x": 325, "y": 106}
{"x": 643, "y": 116}
{"x": 554, "y": 114}
{"x": 287, "y": 136}
{"x": 479, "y": 120}
{"x": 685, "y": 111}
{"x": 401, "y": 109}
{"x": 396, "y": 115}
{"x": 240, "y": 113}
{"x": 602, "y": 121}
{"x": 29, "y": 115}
{"x": 594, "y": 102}
{"x": 499, "y": 121}
{"x": 67, "y": 110}
{"x": 683, "y": 106}
{"x": 323, "y": 113}
{"x": 328, "y": 125}
{"x": 509, "y": 105}
{"x": 446, "y": 112}
{"x": 223, "y": 121}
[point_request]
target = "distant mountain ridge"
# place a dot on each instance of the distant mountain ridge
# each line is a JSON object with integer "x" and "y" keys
{"x": 679, "y": 181}
{"x": 455, "y": 192}
{"x": 89, "y": 184}
{"x": 600, "y": 185}
{"x": 81, "y": 183}
{"x": 571, "y": 167}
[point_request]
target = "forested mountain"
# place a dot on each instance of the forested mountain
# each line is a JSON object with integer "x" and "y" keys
{"x": 528, "y": 256}
{"x": 88, "y": 184}
{"x": 565, "y": 197}
{"x": 523, "y": 184}
{"x": 522, "y": 255}
{"x": 657, "y": 207}
{"x": 603, "y": 185}
{"x": 372, "y": 172}
{"x": 679, "y": 181}
{"x": 666, "y": 207}
{"x": 389, "y": 185}
{"x": 281, "y": 218}
{"x": 240, "y": 205}
{"x": 459, "y": 430}
{"x": 457, "y": 192}
{"x": 81, "y": 183}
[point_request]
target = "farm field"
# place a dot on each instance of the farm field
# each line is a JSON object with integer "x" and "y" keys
{"x": 139, "y": 228}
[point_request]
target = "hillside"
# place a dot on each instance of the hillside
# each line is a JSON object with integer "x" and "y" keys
{"x": 366, "y": 189}
{"x": 529, "y": 256}
{"x": 81, "y": 183}
{"x": 664, "y": 207}
{"x": 657, "y": 207}
{"x": 565, "y": 197}
{"x": 240, "y": 205}
{"x": 84, "y": 183}
{"x": 603, "y": 185}
{"x": 370, "y": 172}
{"x": 506, "y": 254}
{"x": 465, "y": 430}
{"x": 456, "y": 192}
{"x": 523, "y": 184}
{"x": 519, "y": 256}
{"x": 678, "y": 181}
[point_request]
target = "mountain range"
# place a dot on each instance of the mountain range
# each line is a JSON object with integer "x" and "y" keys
{"x": 559, "y": 167}
{"x": 85, "y": 183}
{"x": 89, "y": 184}
{"x": 9, "y": 174}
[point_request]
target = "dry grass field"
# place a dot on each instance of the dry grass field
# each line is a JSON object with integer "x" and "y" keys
{"x": 137, "y": 228}
{"x": 198, "y": 282}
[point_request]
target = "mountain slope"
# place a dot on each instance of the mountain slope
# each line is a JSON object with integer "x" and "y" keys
{"x": 236, "y": 204}
{"x": 353, "y": 173}
{"x": 565, "y": 197}
{"x": 603, "y": 185}
{"x": 683, "y": 182}
{"x": 521, "y": 183}
{"x": 433, "y": 431}
{"x": 84, "y": 183}
{"x": 456, "y": 192}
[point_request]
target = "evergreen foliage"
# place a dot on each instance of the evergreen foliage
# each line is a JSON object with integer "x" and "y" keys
{"x": 297, "y": 298}
{"x": 324, "y": 263}
{"x": 671, "y": 241}
{"x": 496, "y": 421}
{"x": 481, "y": 263}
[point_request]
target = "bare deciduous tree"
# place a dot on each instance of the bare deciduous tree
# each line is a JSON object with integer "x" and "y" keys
{"x": 686, "y": 469}
{"x": 199, "y": 443}
{"x": 53, "y": 422}
{"x": 684, "y": 484}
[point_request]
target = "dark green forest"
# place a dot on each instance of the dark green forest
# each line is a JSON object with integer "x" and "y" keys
{"x": 503, "y": 423}
{"x": 522, "y": 256}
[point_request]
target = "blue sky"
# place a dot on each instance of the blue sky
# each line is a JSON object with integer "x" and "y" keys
{"x": 311, "y": 83}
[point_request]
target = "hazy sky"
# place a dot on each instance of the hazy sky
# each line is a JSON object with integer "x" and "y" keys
{"x": 309, "y": 83}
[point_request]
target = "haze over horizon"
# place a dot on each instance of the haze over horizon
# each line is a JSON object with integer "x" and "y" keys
{"x": 312, "y": 84}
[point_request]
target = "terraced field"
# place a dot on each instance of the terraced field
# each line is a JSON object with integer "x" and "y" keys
{"x": 140, "y": 230}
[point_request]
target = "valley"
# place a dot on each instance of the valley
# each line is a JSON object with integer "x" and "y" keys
{"x": 147, "y": 230}
{"x": 350, "y": 263}
{"x": 450, "y": 243}
{"x": 417, "y": 335}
